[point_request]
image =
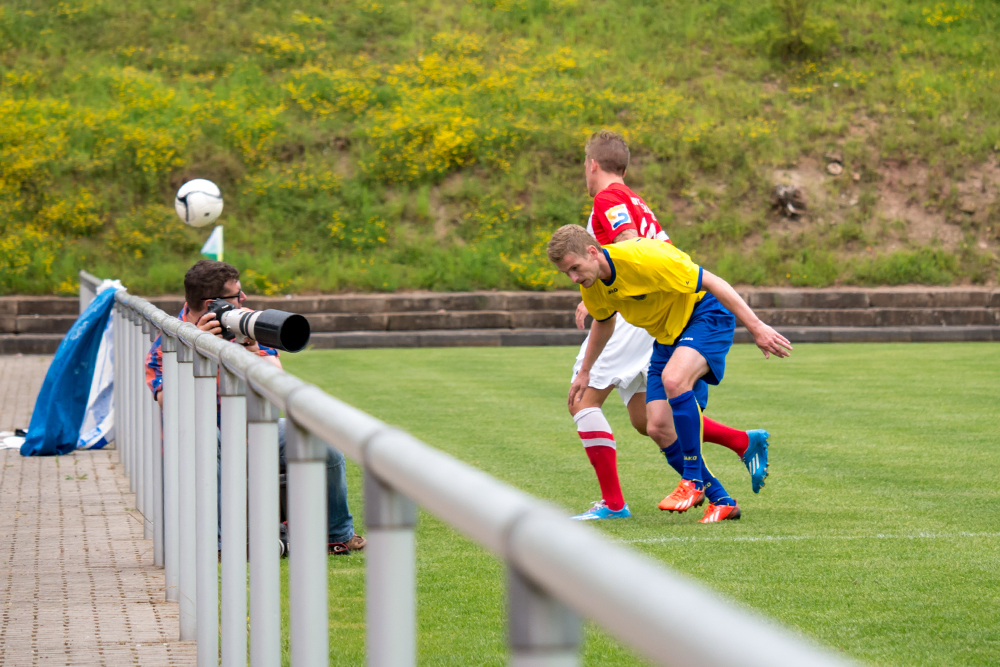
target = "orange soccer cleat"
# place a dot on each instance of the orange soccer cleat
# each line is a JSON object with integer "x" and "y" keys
{"x": 684, "y": 497}
{"x": 720, "y": 513}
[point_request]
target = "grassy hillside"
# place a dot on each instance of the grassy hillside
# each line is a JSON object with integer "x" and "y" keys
{"x": 435, "y": 143}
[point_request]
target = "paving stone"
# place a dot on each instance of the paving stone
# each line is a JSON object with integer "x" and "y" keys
{"x": 879, "y": 317}
{"x": 455, "y": 319}
{"x": 347, "y": 322}
{"x": 29, "y": 324}
{"x": 448, "y": 338}
{"x": 415, "y": 319}
{"x": 76, "y": 578}
{"x": 566, "y": 301}
{"x": 39, "y": 305}
{"x": 541, "y": 337}
{"x": 38, "y": 344}
{"x": 543, "y": 319}
{"x": 806, "y": 317}
{"x": 880, "y": 334}
{"x": 8, "y": 305}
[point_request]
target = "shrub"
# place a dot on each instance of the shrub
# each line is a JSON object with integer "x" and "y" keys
{"x": 799, "y": 33}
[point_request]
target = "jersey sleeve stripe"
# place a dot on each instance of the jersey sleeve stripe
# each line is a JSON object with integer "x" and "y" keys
{"x": 613, "y": 272}
{"x": 700, "y": 272}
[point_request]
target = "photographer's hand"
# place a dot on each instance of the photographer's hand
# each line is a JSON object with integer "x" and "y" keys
{"x": 210, "y": 324}
{"x": 252, "y": 346}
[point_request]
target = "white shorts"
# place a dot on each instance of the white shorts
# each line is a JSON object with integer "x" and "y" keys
{"x": 623, "y": 362}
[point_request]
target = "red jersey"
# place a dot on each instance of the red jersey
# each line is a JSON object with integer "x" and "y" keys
{"x": 617, "y": 208}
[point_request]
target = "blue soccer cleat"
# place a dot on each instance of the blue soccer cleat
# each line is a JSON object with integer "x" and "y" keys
{"x": 755, "y": 458}
{"x": 599, "y": 510}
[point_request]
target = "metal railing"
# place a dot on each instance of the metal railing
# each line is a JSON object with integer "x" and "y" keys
{"x": 551, "y": 576}
{"x": 88, "y": 289}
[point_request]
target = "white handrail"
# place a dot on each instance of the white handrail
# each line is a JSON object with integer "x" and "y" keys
{"x": 551, "y": 578}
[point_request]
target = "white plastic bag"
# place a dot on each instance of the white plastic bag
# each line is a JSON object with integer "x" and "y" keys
{"x": 98, "y": 428}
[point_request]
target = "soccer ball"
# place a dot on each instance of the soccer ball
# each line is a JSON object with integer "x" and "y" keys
{"x": 198, "y": 202}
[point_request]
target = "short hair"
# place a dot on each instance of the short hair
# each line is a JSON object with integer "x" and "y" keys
{"x": 610, "y": 151}
{"x": 206, "y": 279}
{"x": 570, "y": 240}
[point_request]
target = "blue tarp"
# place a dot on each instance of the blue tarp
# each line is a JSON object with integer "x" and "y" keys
{"x": 58, "y": 416}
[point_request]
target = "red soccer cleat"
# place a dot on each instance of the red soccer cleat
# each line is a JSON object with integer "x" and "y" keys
{"x": 684, "y": 497}
{"x": 716, "y": 513}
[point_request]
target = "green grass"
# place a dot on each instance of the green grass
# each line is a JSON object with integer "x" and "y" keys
{"x": 434, "y": 143}
{"x": 877, "y": 533}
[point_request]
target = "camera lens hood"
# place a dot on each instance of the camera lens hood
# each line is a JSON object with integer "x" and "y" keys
{"x": 278, "y": 329}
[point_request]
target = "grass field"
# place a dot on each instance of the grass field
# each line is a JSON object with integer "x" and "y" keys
{"x": 877, "y": 534}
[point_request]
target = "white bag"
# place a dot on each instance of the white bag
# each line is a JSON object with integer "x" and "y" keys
{"x": 98, "y": 428}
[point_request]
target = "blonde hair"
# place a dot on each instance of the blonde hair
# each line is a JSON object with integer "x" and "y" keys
{"x": 610, "y": 151}
{"x": 570, "y": 240}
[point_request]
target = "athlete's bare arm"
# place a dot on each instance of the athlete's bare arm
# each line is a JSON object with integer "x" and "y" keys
{"x": 626, "y": 235}
{"x": 767, "y": 339}
{"x": 600, "y": 334}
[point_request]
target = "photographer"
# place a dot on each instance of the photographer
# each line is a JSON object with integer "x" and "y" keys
{"x": 208, "y": 280}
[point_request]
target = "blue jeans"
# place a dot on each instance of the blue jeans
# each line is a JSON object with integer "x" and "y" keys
{"x": 339, "y": 522}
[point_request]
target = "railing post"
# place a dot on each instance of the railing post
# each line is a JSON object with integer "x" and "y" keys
{"x": 119, "y": 407}
{"x": 126, "y": 318}
{"x": 207, "y": 520}
{"x": 265, "y": 585}
{"x": 87, "y": 294}
{"x": 135, "y": 401}
{"x": 187, "y": 508}
{"x": 146, "y": 435}
{"x": 88, "y": 288}
{"x": 232, "y": 396}
{"x": 542, "y": 631}
{"x": 171, "y": 493}
{"x": 390, "y": 581}
{"x": 156, "y": 446}
{"x": 305, "y": 463}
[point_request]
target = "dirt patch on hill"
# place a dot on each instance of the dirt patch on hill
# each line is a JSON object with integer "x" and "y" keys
{"x": 907, "y": 203}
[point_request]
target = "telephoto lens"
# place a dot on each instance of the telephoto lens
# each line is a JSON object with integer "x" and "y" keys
{"x": 288, "y": 332}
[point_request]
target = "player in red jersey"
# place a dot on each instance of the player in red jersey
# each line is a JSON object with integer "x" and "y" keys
{"x": 620, "y": 214}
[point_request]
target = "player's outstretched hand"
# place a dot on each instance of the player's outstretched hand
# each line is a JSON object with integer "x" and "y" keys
{"x": 578, "y": 386}
{"x": 581, "y": 315}
{"x": 209, "y": 323}
{"x": 771, "y": 342}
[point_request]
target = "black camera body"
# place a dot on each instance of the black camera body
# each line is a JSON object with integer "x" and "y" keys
{"x": 274, "y": 328}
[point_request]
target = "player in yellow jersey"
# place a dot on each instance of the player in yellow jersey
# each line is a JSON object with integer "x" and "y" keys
{"x": 690, "y": 313}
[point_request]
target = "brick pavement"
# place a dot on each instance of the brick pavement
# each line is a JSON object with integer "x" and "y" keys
{"x": 20, "y": 379}
{"x": 77, "y": 580}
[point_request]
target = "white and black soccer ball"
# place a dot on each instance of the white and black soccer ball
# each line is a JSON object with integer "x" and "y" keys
{"x": 198, "y": 202}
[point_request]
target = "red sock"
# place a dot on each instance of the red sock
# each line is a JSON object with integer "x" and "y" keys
{"x": 605, "y": 462}
{"x": 599, "y": 443}
{"x": 720, "y": 434}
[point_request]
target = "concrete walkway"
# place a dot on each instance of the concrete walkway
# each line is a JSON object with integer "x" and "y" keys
{"x": 77, "y": 580}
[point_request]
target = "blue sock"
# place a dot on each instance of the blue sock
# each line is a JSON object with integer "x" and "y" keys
{"x": 687, "y": 423}
{"x": 674, "y": 457}
{"x": 714, "y": 490}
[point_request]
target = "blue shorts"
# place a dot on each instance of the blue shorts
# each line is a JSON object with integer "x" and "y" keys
{"x": 710, "y": 332}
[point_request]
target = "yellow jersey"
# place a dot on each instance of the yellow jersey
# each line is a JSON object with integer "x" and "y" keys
{"x": 653, "y": 285}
